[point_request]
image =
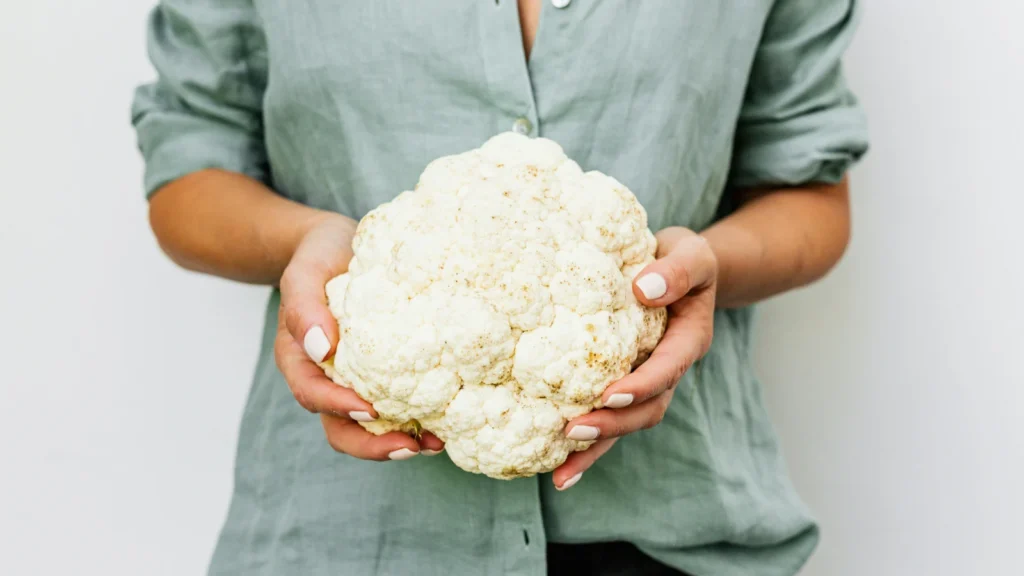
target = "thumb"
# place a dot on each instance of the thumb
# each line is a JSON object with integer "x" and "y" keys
{"x": 689, "y": 265}
{"x": 306, "y": 315}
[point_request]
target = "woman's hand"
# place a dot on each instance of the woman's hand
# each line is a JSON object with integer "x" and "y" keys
{"x": 684, "y": 279}
{"x": 307, "y": 333}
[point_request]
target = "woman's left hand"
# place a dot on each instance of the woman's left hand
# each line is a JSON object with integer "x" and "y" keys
{"x": 684, "y": 279}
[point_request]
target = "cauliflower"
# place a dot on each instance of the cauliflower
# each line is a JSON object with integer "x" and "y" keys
{"x": 493, "y": 303}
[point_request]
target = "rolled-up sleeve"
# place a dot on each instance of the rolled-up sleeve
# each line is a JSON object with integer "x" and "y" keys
{"x": 800, "y": 123}
{"x": 204, "y": 110}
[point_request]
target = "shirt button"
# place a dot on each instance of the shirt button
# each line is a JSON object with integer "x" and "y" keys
{"x": 522, "y": 126}
{"x": 560, "y": 3}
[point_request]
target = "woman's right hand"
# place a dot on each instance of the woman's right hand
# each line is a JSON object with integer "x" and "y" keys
{"x": 307, "y": 333}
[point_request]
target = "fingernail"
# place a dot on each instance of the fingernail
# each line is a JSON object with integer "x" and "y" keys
{"x": 652, "y": 285}
{"x": 426, "y": 452}
{"x": 361, "y": 416}
{"x": 402, "y": 454}
{"x": 619, "y": 401}
{"x": 316, "y": 344}
{"x": 571, "y": 481}
{"x": 583, "y": 433}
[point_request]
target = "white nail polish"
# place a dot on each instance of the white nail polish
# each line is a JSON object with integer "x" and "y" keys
{"x": 361, "y": 416}
{"x": 402, "y": 454}
{"x": 571, "y": 481}
{"x": 619, "y": 401}
{"x": 426, "y": 452}
{"x": 316, "y": 344}
{"x": 652, "y": 285}
{"x": 583, "y": 433}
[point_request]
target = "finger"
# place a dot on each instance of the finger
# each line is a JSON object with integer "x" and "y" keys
{"x": 614, "y": 423}
{"x": 350, "y": 438}
{"x": 313, "y": 390}
{"x": 687, "y": 338}
{"x": 569, "y": 473}
{"x": 689, "y": 265}
{"x": 430, "y": 445}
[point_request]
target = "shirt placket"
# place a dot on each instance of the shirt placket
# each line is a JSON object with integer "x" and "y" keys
{"x": 507, "y": 75}
{"x": 519, "y": 531}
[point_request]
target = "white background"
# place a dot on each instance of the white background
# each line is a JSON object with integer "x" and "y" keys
{"x": 896, "y": 383}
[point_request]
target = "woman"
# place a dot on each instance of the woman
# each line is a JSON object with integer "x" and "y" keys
{"x": 274, "y": 126}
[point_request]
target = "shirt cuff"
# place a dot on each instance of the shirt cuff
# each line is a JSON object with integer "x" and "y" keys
{"x": 819, "y": 147}
{"x": 175, "y": 144}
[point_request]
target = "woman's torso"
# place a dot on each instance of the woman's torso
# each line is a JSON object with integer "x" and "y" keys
{"x": 360, "y": 97}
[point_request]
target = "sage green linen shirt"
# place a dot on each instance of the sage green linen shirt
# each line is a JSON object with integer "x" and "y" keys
{"x": 340, "y": 105}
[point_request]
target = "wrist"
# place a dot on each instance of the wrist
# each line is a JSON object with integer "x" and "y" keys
{"x": 736, "y": 250}
{"x": 314, "y": 219}
{"x": 338, "y": 223}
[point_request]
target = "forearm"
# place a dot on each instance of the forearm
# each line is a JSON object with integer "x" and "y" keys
{"x": 229, "y": 225}
{"x": 779, "y": 240}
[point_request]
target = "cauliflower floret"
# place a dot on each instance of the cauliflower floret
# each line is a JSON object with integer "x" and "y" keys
{"x": 504, "y": 433}
{"x": 493, "y": 303}
{"x": 587, "y": 280}
{"x": 575, "y": 358}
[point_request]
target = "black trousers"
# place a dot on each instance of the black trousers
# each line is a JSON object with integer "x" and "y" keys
{"x": 604, "y": 559}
